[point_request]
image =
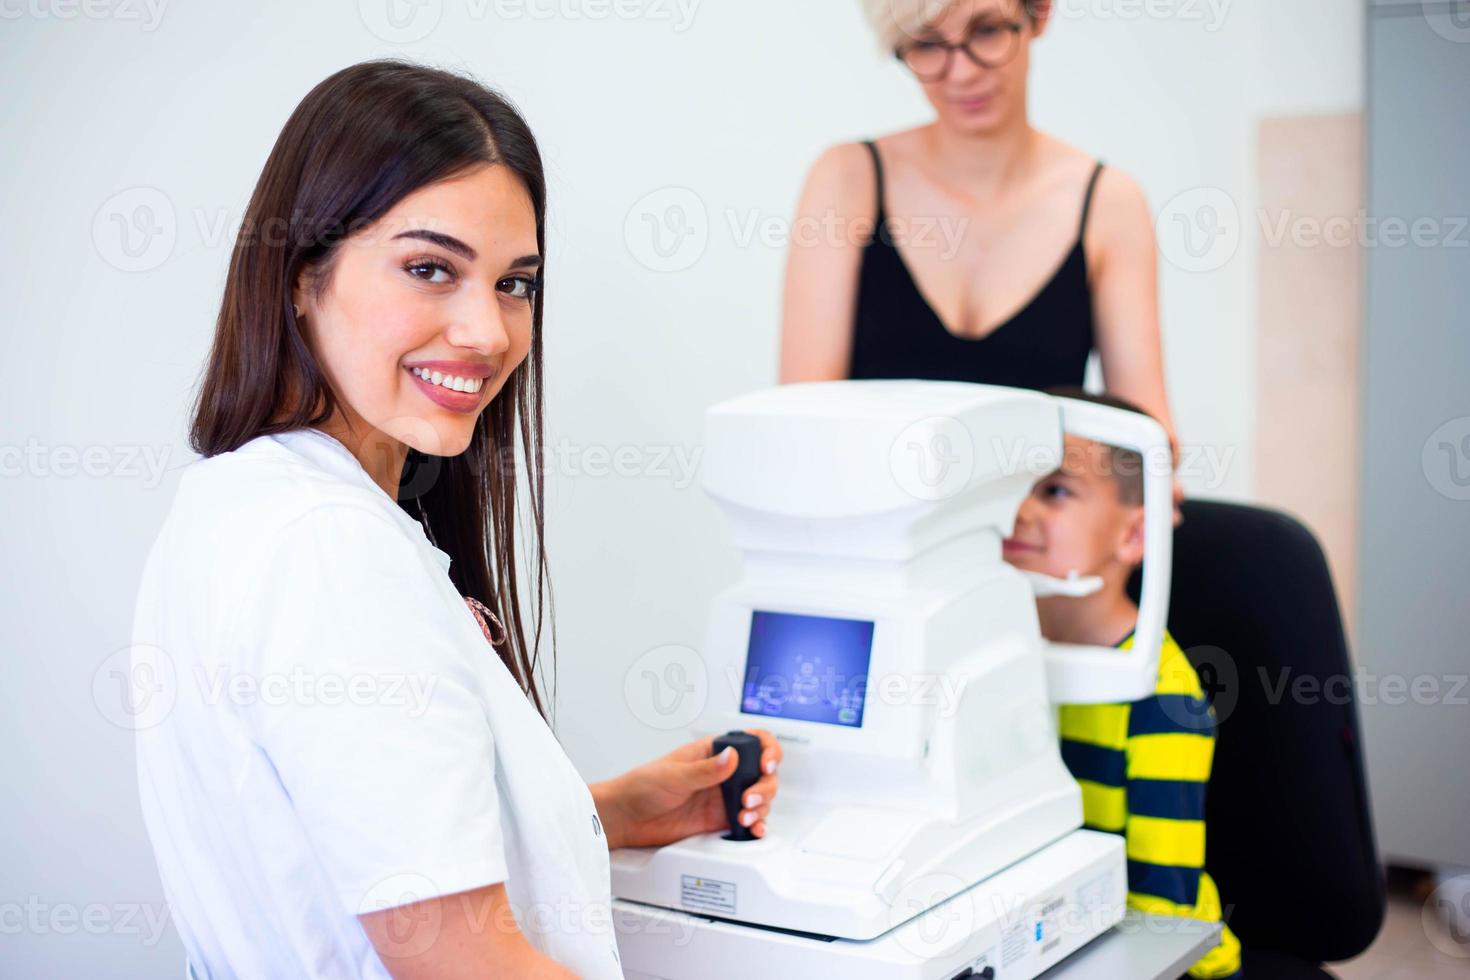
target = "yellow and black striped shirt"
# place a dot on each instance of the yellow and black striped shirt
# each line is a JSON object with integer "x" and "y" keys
{"x": 1143, "y": 768}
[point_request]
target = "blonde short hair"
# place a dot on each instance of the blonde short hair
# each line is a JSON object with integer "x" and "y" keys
{"x": 895, "y": 21}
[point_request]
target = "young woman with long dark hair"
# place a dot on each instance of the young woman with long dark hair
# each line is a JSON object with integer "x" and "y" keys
{"x": 344, "y": 762}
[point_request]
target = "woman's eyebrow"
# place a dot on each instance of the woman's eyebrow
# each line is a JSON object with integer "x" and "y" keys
{"x": 442, "y": 240}
{"x": 460, "y": 248}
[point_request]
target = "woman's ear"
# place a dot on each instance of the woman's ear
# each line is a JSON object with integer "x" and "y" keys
{"x": 298, "y": 300}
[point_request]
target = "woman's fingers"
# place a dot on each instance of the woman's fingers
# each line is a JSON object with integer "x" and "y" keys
{"x": 771, "y": 753}
{"x": 749, "y": 818}
{"x": 763, "y": 790}
{"x": 700, "y": 748}
{"x": 756, "y": 801}
{"x": 708, "y": 772}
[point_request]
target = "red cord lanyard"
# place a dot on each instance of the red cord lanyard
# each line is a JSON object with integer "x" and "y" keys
{"x": 481, "y": 613}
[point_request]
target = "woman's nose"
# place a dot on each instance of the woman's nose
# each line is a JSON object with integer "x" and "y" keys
{"x": 481, "y": 326}
{"x": 963, "y": 69}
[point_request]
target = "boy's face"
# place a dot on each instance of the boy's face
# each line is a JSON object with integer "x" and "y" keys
{"x": 1074, "y": 519}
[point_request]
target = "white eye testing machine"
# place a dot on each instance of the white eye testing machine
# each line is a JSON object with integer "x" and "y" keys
{"x": 926, "y": 826}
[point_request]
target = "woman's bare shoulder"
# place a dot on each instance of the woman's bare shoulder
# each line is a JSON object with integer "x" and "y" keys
{"x": 1118, "y": 214}
{"x": 1115, "y": 186}
{"x": 843, "y": 162}
{"x": 1119, "y": 207}
{"x": 842, "y": 179}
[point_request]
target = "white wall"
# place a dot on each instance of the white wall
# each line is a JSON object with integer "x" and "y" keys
{"x": 730, "y": 106}
{"x": 1310, "y": 59}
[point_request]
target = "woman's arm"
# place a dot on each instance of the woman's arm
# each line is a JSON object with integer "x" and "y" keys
{"x": 469, "y": 935}
{"x": 833, "y": 220}
{"x": 1125, "y": 295}
{"x": 1124, "y": 271}
{"x": 678, "y": 795}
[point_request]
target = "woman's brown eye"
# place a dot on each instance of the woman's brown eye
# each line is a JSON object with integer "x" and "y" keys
{"x": 433, "y": 264}
{"x": 518, "y": 287}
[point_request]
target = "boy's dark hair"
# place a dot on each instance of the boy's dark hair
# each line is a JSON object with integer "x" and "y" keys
{"x": 1124, "y": 465}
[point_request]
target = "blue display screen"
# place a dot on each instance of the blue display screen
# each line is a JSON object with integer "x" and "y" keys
{"x": 807, "y": 668}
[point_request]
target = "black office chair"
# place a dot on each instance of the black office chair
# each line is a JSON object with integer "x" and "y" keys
{"x": 1290, "y": 838}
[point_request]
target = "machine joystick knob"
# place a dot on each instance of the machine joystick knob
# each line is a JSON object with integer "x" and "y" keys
{"x": 747, "y": 771}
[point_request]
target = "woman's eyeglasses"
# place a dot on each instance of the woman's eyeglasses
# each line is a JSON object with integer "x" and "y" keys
{"x": 988, "y": 46}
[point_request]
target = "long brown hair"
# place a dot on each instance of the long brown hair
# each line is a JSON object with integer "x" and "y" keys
{"x": 360, "y": 141}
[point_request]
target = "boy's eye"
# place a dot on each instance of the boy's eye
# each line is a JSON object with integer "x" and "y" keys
{"x": 434, "y": 265}
{"x": 1053, "y": 490}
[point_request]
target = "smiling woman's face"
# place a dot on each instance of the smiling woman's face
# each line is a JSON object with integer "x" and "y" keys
{"x": 439, "y": 288}
{"x": 971, "y": 98}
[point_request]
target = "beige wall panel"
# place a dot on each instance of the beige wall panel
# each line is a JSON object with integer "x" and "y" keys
{"x": 1309, "y": 226}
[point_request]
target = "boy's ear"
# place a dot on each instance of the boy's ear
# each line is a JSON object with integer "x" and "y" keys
{"x": 1040, "y": 15}
{"x": 1130, "y": 548}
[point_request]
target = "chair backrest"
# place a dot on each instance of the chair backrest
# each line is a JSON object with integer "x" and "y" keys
{"x": 1290, "y": 839}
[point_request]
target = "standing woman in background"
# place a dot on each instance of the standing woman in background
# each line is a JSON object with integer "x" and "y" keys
{"x": 974, "y": 248}
{"x": 344, "y": 771}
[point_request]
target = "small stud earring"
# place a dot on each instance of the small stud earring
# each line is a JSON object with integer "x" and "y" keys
{"x": 296, "y": 309}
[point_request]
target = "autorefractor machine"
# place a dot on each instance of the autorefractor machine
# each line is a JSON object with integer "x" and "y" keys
{"x": 926, "y": 826}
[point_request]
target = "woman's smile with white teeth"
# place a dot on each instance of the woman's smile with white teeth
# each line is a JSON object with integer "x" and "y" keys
{"x": 453, "y": 383}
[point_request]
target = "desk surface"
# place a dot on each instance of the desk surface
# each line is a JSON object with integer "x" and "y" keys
{"x": 1141, "y": 947}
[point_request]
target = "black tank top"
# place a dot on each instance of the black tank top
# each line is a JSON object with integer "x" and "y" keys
{"x": 897, "y": 334}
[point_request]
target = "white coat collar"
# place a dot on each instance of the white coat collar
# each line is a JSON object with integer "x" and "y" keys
{"x": 329, "y": 453}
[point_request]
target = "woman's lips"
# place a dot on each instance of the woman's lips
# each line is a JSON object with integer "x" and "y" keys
{"x": 977, "y": 103}
{"x": 1010, "y": 546}
{"x": 455, "y": 401}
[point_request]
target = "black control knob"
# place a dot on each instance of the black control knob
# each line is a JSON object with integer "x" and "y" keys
{"x": 747, "y": 771}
